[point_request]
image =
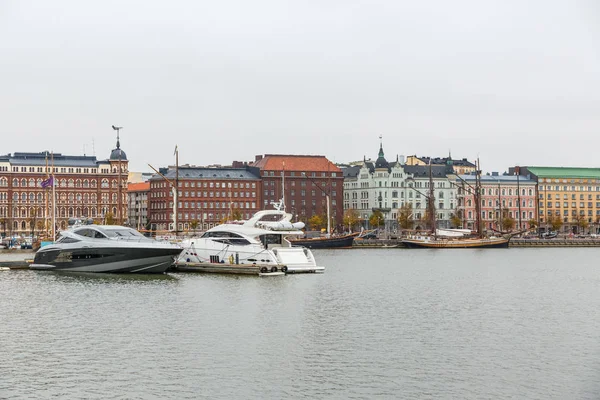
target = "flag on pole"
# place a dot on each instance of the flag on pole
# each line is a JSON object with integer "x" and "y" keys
{"x": 46, "y": 183}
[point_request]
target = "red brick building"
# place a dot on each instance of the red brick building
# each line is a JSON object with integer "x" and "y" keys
{"x": 308, "y": 181}
{"x": 84, "y": 187}
{"x": 206, "y": 196}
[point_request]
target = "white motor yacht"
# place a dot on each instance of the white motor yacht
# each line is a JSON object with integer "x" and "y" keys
{"x": 261, "y": 240}
{"x": 106, "y": 248}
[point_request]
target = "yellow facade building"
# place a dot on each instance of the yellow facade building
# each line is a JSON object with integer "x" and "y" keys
{"x": 571, "y": 194}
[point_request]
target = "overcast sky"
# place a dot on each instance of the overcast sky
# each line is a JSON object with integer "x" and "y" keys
{"x": 510, "y": 82}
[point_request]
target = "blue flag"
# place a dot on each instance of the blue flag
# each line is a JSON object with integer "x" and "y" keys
{"x": 48, "y": 182}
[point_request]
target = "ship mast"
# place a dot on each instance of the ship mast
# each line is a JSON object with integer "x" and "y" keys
{"x": 478, "y": 221}
{"x": 431, "y": 202}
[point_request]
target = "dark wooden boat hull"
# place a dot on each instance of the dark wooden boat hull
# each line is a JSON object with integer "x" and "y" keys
{"x": 338, "y": 242}
{"x": 456, "y": 244}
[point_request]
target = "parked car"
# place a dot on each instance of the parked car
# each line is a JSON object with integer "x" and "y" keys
{"x": 549, "y": 235}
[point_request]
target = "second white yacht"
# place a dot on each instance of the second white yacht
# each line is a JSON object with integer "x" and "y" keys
{"x": 261, "y": 240}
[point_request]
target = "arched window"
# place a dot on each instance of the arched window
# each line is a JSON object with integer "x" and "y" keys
{"x": 23, "y": 182}
{"x": 24, "y": 197}
{"x": 114, "y": 183}
{"x": 23, "y": 225}
{"x": 31, "y": 197}
{"x": 78, "y": 183}
{"x": 63, "y": 183}
{"x": 93, "y": 183}
{"x": 104, "y": 183}
{"x": 15, "y": 226}
{"x": 40, "y": 196}
{"x": 15, "y": 182}
{"x": 71, "y": 183}
{"x": 71, "y": 212}
{"x": 31, "y": 182}
{"x": 86, "y": 183}
{"x": 16, "y": 196}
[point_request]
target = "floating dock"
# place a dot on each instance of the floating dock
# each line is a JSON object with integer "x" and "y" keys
{"x": 224, "y": 268}
{"x": 24, "y": 264}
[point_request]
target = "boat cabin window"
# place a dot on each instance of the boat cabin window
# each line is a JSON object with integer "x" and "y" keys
{"x": 221, "y": 235}
{"x": 233, "y": 241}
{"x": 91, "y": 233}
{"x": 66, "y": 239}
{"x": 270, "y": 239}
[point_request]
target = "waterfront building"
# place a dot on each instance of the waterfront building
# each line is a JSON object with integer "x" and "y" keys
{"x": 459, "y": 167}
{"x": 206, "y": 196}
{"x": 309, "y": 179}
{"x": 84, "y": 188}
{"x": 387, "y": 186}
{"x": 137, "y": 204}
{"x": 502, "y": 197}
{"x": 570, "y": 194}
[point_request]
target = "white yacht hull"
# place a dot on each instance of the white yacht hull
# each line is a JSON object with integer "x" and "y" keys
{"x": 296, "y": 259}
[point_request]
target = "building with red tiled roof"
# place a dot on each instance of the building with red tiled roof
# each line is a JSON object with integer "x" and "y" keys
{"x": 309, "y": 179}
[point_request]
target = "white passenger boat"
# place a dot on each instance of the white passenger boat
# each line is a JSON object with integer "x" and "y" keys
{"x": 263, "y": 239}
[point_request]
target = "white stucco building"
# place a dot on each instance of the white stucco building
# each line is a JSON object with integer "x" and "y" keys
{"x": 387, "y": 186}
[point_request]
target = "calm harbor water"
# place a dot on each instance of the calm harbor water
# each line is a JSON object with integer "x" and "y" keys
{"x": 380, "y": 323}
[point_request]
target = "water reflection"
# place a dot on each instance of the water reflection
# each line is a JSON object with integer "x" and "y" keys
{"x": 74, "y": 276}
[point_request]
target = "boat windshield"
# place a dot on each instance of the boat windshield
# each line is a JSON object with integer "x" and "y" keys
{"x": 124, "y": 233}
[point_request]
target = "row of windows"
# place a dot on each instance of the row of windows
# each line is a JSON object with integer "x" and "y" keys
{"x": 76, "y": 183}
{"x": 65, "y": 170}
{"x": 62, "y": 212}
{"x": 293, "y": 173}
{"x": 573, "y": 213}
{"x": 491, "y": 215}
{"x": 573, "y": 196}
{"x": 505, "y": 192}
{"x": 160, "y": 205}
{"x": 236, "y": 185}
{"x": 570, "y": 188}
{"x": 313, "y": 193}
{"x": 573, "y": 204}
{"x": 205, "y": 194}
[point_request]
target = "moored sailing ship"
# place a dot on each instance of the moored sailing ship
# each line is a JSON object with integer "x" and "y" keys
{"x": 455, "y": 238}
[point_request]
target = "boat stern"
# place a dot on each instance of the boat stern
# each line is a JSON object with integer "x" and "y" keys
{"x": 298, "y": 260}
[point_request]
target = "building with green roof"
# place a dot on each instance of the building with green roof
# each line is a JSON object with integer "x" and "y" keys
{"x": 568, "y": 197}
